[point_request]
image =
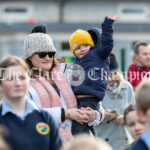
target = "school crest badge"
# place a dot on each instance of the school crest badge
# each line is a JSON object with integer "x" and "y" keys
{"x": 42, "y": 128}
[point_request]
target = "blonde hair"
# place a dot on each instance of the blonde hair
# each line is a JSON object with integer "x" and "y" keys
{"x": 142, "y": 96}
{"x": 117, "y": 76}
{"x": 86, "y": 142}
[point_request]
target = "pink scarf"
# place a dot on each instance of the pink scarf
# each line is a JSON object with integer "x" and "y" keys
{"x": 49, "y": 97}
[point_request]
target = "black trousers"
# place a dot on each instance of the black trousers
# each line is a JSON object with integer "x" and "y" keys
{"x": 91, "y": 102}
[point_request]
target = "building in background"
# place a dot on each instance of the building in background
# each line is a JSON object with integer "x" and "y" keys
{"x": 62, "y": 17}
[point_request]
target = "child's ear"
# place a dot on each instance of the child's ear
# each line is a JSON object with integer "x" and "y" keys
{"x": 141, "y": 116}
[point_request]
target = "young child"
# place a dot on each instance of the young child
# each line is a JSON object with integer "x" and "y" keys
{"x": 28, "y": 126}
{"x": 134, "y": 126}
{"x": 92, "y": 50}
{"x": 143, "y": 110}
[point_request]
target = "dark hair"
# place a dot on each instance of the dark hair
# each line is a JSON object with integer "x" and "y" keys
{"x": 130, "y": 108}
{"x": 114, "y": 65}
{"x": 138, "y": 44}
{"x": 12, "y": 61}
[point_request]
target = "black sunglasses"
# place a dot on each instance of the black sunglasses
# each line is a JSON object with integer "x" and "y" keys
{"x": 44, "y": 54}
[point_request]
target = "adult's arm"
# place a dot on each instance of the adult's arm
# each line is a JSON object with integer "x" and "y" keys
{"x": 59, "y": 114}
{"x": 55, "y": 112}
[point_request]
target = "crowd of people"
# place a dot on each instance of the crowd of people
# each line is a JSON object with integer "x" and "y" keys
{"x": 99, "y": 109}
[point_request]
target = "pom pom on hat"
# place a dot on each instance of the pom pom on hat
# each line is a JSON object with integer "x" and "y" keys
{"x": 80, "y": 37}
{"x": 114, "y": 66}
{"x": 38, "y": 41}
{"x": 39, "y": 29}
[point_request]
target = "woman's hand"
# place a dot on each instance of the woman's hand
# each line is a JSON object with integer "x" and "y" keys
{"x": 110, "y": 115}
{"x": 83, "y": 115}
{"x": 90, "y": 113}
{"x": 77, "y": 115}
{"x": 119, "y": 120}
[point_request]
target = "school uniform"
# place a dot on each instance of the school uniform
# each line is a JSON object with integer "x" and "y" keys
{"x": 143, "y": 143}
{"x": 35, "y": 130}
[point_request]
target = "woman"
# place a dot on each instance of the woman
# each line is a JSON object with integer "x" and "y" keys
{"x": 134, "y": 126}
{"x": 119, "y": 94}
{"x": 49, "y": 89}
{"x": 29, "y": 128}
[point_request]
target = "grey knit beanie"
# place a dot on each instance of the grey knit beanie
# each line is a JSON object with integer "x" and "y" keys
{"x": 37, "y": 42}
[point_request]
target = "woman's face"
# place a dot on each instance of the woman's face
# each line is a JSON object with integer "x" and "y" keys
{"x": 15, "y": 82}
{"x": 111, "y": 81}
{"x": 134, "y": 126}
{"x": 42, "y": 63}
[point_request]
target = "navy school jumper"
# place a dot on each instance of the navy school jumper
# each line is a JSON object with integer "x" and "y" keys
{"x": 37, "y": 132}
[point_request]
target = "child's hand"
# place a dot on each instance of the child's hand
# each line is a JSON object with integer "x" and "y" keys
{"x": 113, "y": 18}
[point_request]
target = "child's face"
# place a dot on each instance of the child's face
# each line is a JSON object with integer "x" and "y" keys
{"x": 82, "y": 50}
{"x": 15, "y": 82}
{"x": 133, "y": 124}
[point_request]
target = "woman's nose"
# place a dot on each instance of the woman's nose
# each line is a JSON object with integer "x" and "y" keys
{"x": 47, "y": 57}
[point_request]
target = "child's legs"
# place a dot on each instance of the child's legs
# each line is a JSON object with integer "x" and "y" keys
{"x": 77, "y": 128}
{"x": 91, "y": 102}
{"x": 84, "y": 102}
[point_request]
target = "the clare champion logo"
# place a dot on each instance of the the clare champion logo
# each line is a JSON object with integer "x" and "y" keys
{"x": 75, "y": 74}
{"x": 42, "y": 128}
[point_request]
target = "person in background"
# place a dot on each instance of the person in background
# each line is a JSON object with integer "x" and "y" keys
{"x": 29, "y": 128}
{"x": 49, "y": 88}
{"x": 91, "y": 49}
{"x": 132, "y": 122}
{"x": 119, "y": 95}
{"x": 143, "y": 110}
{"x": 141, "y": 66}
{"x": 86, "y": 142}
{"x": 134, "y": 126}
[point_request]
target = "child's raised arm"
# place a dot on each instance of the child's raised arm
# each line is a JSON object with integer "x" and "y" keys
{"x": 106, "y": 44}
{"x": 113, "y": 18}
